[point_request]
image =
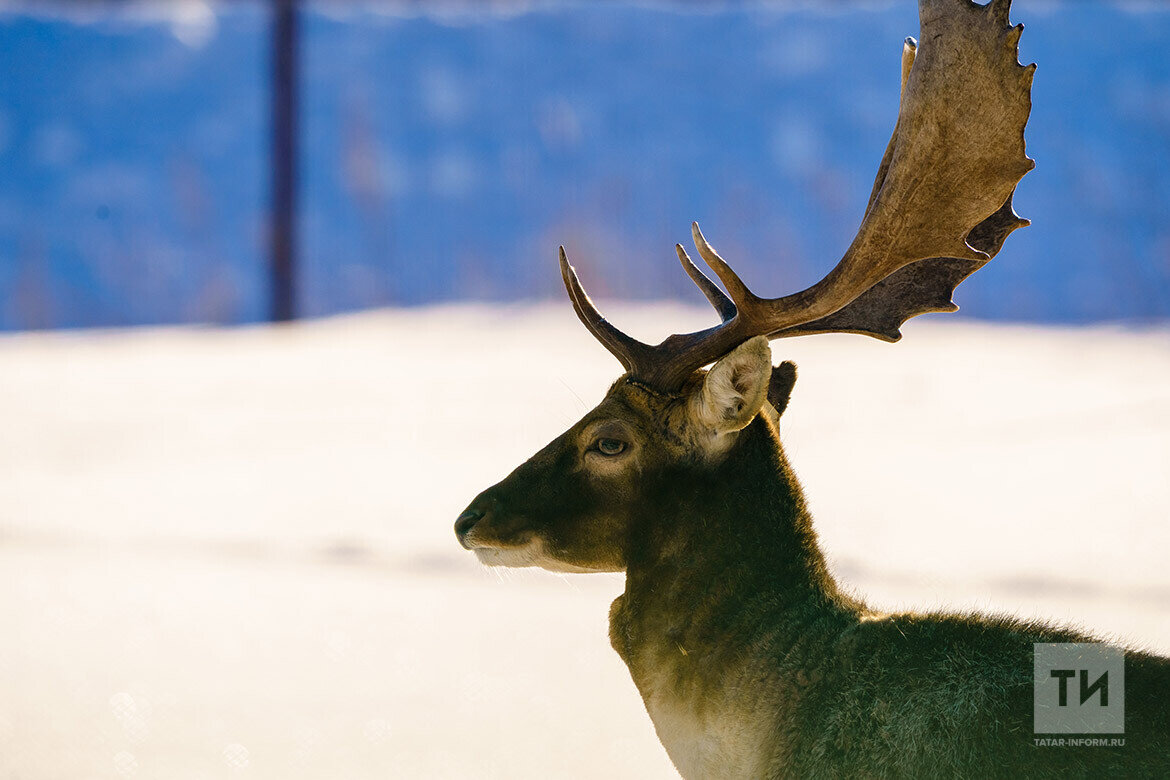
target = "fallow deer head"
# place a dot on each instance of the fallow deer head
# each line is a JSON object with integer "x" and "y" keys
{"x": 940, "y": 208}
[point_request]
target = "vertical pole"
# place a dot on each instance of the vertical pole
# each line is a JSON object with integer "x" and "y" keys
{"x": 284, "y": 161}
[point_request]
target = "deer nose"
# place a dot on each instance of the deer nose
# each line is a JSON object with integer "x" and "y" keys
{"x": 465, "y": 523}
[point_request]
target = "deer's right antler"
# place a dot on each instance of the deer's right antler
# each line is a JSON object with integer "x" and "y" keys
{"x": 940, "y": 207}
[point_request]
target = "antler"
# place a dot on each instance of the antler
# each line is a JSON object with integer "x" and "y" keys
{"x": 939, "y": 210}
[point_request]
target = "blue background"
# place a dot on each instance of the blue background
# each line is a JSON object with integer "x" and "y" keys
{"x": 447, "y": 152}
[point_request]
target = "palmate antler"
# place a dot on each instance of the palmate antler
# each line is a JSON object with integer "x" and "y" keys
{"x": 941, "y": 206}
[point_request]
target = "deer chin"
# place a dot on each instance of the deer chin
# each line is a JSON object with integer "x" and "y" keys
{"x": 511, "y": 557}
{"x": 531, "y": 553}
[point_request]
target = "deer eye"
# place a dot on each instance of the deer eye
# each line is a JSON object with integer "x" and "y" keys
{"x": 610, "y": 446}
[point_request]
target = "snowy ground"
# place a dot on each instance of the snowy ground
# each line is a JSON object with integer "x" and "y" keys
{"x": 229, "y": 553}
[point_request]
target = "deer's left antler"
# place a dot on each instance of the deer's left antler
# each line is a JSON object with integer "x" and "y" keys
{"x": 940, "y": 207}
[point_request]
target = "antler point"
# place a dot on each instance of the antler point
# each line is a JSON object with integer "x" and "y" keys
{"x": 999, "y": 10}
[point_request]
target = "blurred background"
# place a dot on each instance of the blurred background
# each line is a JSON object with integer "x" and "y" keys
{"x": 445, "y": 150}
{"x": 225, "y": 544}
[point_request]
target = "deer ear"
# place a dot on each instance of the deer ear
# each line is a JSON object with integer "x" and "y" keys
{"x": 780, "y": 386}
{"x": 734, "y": 389}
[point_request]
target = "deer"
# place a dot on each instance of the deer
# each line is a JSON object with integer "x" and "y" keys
{"x": 751, "y": 659}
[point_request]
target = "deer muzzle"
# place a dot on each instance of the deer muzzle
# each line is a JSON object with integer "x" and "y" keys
{"x": 465, "y": 523}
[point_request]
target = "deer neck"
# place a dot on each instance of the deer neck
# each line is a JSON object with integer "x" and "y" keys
{"x": 739, "y": 531}
{"x": 722, "y": 559}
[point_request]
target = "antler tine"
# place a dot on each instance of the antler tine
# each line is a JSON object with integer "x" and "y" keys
{"x": 625, "y": 348}
{"x": 724, "y": 305}
{"x": 999, "y": 9}
{"x": 909, "y": 50}
{"x": 736, "y": 289}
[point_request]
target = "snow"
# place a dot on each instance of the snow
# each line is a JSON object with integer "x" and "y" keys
{"x": 229, "y": 552}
